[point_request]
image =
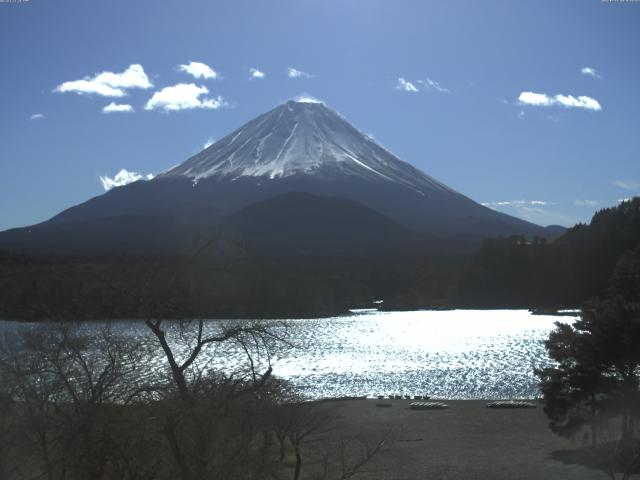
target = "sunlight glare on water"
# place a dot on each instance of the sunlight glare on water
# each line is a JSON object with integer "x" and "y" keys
{"x": 451, "y": 354}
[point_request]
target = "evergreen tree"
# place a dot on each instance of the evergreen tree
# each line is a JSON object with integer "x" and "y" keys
{"x": 597, "y": 372}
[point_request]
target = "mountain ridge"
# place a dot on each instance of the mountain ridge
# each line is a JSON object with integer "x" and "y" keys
{"x": 295, "y": 147}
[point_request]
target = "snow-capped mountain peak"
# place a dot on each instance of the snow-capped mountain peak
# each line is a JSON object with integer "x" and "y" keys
{"x": 302, "y": 137}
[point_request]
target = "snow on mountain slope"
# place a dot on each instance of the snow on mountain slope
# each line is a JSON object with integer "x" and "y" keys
{"x": 300, "y": 146}
{"x": 301, "y": 138}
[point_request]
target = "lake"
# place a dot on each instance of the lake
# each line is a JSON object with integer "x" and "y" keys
{"x": 456, "y": 354}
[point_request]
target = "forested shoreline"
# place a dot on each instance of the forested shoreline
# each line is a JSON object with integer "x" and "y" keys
{"x": 511, "y": 272}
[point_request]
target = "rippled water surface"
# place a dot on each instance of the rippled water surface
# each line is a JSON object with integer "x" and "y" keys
{"x": 451, "y": 354}
{"x": 458, "y": 354}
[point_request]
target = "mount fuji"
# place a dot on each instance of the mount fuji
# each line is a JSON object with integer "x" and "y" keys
{"x": 297, "y": 179}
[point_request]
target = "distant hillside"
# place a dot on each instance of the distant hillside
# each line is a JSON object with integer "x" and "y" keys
{"x": 302, "y": 225}
{"x": 573, "y": 268}
{"x": 303, "y": 270}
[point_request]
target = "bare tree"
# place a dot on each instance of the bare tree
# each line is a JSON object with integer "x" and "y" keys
{"x": 343, "y": 457}
{"x": 67, "y": 387}
{"x": 318, "y": 440}
{"x": 207, "y": 429}
{"x": 304, "y": 420}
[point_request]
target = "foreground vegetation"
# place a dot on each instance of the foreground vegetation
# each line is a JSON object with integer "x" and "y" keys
{"x": 84, "y": 406}
{"x": 594, "y": 388}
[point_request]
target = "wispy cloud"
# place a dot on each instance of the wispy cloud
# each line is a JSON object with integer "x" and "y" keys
{"x": 406, "y": 86}
{"x": 117, "y": 107}
{"x": 627, "y": 184}
{"x": 198, "y": 70}
{"x": 210, "y": 141}
{"x": 540, "y": 212}
{"x": 568, "y": 101}
{"x": 108, "y": 84}
{"x": 255, "y": 73}
{"x": 515, "y": 203}
{"x": 37, "y": 116}
{"x": 295, "y": 73}
{"x": 591, "y": 72}
{"x": 427, "y": 84}
{"x": 586, "y": 203}
{"x": 123, "y": 177}
{"x": 430, "y": 84}
{"x": 183, "y": 96}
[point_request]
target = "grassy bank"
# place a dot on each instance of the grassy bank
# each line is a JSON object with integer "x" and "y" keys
{"x": 466, "y": 441}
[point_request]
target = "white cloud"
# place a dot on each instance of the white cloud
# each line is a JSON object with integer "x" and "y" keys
{"x": 108, "y": 84}
{"x": 628, "y": 199}
{"x": 123, "y": 177}
{"x": 210, "y": 141}
{"x": 117, "y": 107}
{"x": 306, "y": 98}
{"x": 587, "y": 103}
{"x": 592, "y": 72}
{"x": 255, "y": 73}
{"x": 37, "y": 116}
{"x": 627, "y": 184}
{"x": 568, "y": 101}
{"x": 406, "y": 86}
{"x": 430, "y": 84}
{"x": 586, "y": 203}
{"x": 183, "y": 96}
{"x": 538, "y": 99}
{"x": 198, "y": 70}
{"x": 295, "y": 73}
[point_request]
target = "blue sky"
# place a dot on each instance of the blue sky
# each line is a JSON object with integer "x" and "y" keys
{"x": 532, "y": 108}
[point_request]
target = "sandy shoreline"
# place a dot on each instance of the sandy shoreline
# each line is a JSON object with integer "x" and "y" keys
{"x": 465, "y": 441}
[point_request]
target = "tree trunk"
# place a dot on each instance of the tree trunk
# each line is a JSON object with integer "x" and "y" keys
{"x": 281, "y": 440}
{"x": 176, "y": 371}
{"x": 594, "y": 422}
{"x": 296, "y": 475}
{"x": 625, "y": 434}
{"x": 45, "y": 454}
{"x": 169, "y": 432}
